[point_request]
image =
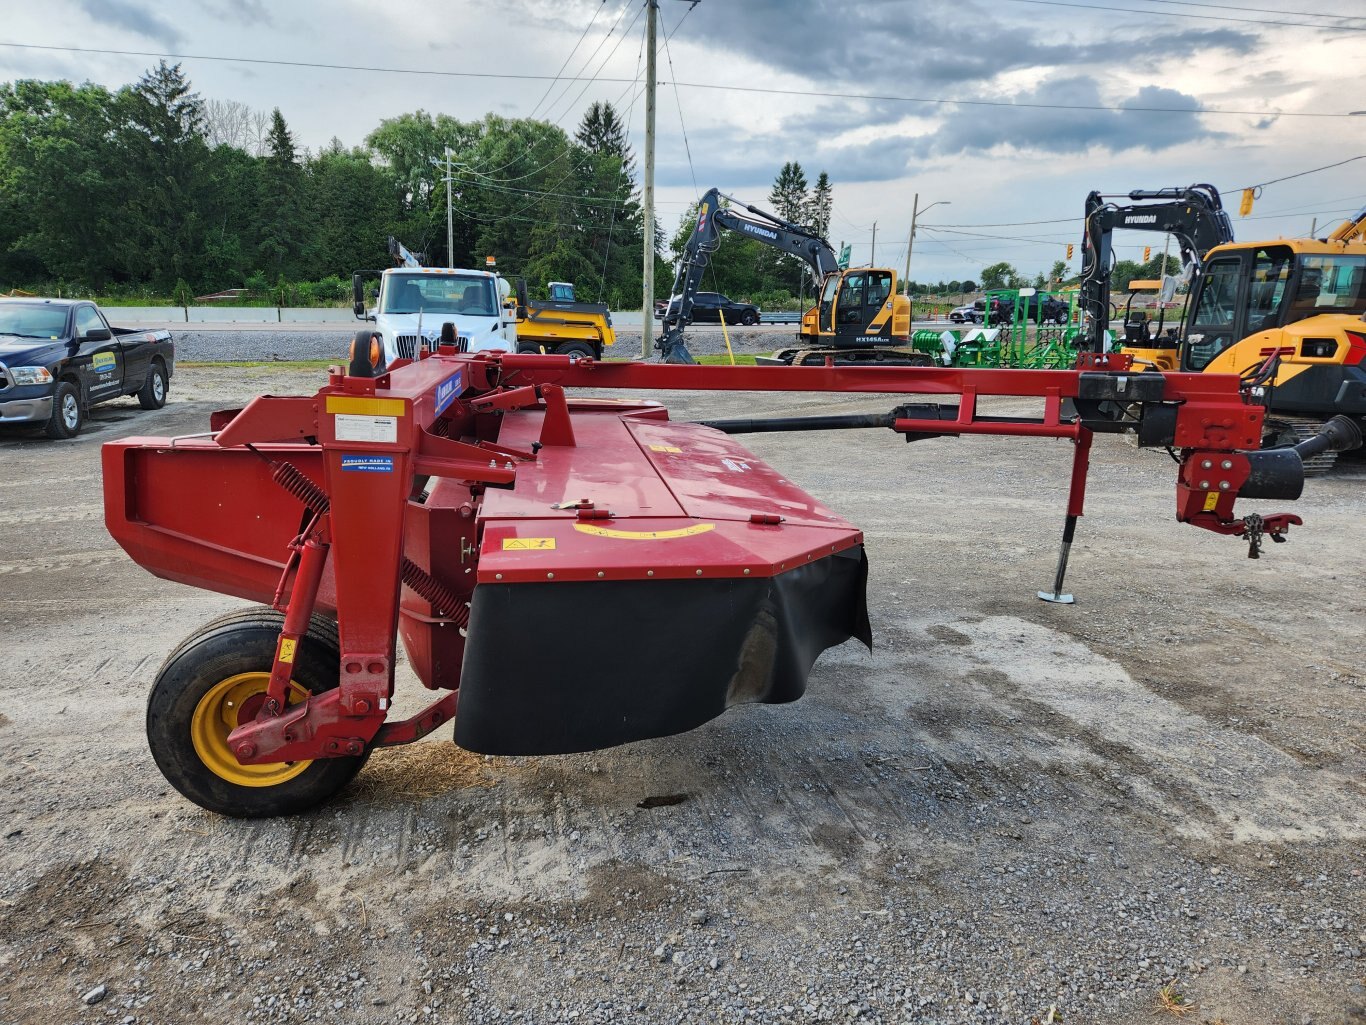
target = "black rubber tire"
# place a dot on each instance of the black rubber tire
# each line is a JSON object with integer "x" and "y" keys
{"x": 241, "y": 642}
{"x": 749, "y": 318}
{"x": 576, "y": 350}
{"x": 152, "y": 394}
{"x": 527, "y": 347}
{"x": 68, "y": 415}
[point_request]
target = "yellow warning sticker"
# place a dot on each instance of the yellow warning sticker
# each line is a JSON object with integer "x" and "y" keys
{"x": 665, "y": 448}
{"x": 287, "y": 649}
{"x": 359, "y": 406}
{"x": 644, "y": 535}
{"x": 1211, "y": 500}
{"x": 528, "y": 544}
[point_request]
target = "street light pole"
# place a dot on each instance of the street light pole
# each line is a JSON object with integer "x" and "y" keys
{"x": 915, "y": 210}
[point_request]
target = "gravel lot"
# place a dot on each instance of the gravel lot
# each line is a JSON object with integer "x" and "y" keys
{"x": 1007, "y": 810}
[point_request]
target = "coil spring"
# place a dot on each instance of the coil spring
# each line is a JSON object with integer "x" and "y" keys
{"x": 301, "y": 486}
{"x": 441, "y": 597}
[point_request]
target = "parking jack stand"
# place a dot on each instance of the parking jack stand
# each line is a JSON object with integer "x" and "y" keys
{"x": 1076, "y": 497}
{"x": 1056, "y": 595}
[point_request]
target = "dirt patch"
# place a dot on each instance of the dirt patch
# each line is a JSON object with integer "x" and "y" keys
{"x": 948, "y": 635}
{"x": 422, "y": 770}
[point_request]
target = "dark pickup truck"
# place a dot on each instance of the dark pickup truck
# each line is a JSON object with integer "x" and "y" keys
{"x": 58, "y": 357}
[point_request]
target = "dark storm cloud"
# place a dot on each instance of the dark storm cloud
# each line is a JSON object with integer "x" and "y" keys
{"x": 879, "y": 44}
{"x": 133, "y": 17}
{"x": 979, "y": 129}
{"x": 944, "y": 49}
{"x": 963, "y": 130}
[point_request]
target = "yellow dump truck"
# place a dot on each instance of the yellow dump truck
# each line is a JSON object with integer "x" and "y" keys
{"x": 562, "y": 326}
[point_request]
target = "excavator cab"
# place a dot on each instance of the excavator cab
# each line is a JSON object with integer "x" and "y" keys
{"x": 1152, "y": 344}
{"x": 857, "y": 307}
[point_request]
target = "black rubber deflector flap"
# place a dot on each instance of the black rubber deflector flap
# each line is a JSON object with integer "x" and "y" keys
{"x": 560, "y": 667}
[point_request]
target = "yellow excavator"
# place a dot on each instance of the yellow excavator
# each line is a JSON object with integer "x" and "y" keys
{"x": 859, "y": 317}
{"x": 1286, "y": 314}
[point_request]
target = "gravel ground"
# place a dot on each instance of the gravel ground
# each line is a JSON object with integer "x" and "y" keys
{"x": 1008, "y": 812}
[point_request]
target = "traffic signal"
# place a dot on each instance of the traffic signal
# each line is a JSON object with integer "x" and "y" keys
{"x": 1069, "y": 250}
{"x": 1147, "y": 252}
{"x": 1245, "y": 207}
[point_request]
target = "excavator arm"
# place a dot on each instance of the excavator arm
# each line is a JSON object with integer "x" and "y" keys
{"x": 762, "y": 226}
{"x": 1195, "y": 215}
{"x": 1350, "y": 229}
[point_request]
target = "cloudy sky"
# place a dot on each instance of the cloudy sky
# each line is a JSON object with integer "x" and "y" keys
{"x": 1047, "y": 96}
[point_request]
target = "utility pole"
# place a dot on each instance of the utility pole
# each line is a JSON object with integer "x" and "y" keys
{"x": 915, "y": 212}
{"x": 872, "y": 250}
{"x": 910, "y": 241}
{"x": 450, "y": 216}
{"x": 647, "y": 305}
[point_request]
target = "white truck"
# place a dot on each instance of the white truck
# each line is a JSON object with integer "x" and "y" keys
{"x": 414, "y": 302}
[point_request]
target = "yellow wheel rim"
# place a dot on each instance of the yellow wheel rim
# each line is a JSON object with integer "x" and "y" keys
{"x": 218, "y": 714}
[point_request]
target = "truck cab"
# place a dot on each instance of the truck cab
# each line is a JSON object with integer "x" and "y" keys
{"x": 414, "y": 302}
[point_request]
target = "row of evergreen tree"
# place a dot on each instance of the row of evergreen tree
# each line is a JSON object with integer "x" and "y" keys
{"x": 151, "y": 189}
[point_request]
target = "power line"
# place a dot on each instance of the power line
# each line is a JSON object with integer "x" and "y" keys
{"x": 594, "y": 77}
{"x": 568, "y": 85}
{"x": 1003, "y": 224}
{"x": 1290, "y": 211}
{"x": 570, "y": 55}
{"x": 1259, "y": 10}
{"x": 679, "y": 102}
{"x": 808, "y": 93}
{"x": 1301, "y": 174}
{"x": 889, "y": 98}
{"x": 612, "y": 224}
{"x": 1182, "y": 14}
{"x": 1010, "y": 238}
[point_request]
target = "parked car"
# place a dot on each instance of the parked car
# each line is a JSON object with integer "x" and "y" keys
{"x": 59, "y": 357}
{"x": 1040, "y": 307}
{"x": 969, "y": 314}
{"x": 707, "y": 307}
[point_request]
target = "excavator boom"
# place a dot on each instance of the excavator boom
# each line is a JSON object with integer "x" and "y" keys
{"x": 1194, "y": 215}
{"x": 771, "y": 230}
{"x": 1351, "y": 229}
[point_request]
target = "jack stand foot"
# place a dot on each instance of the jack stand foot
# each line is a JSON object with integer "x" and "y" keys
{"x": 1056, "y": 596}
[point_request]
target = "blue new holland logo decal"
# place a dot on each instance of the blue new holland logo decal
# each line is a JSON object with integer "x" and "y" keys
{"x": 446, "y": 392}
{"x": 368, "y": 464}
